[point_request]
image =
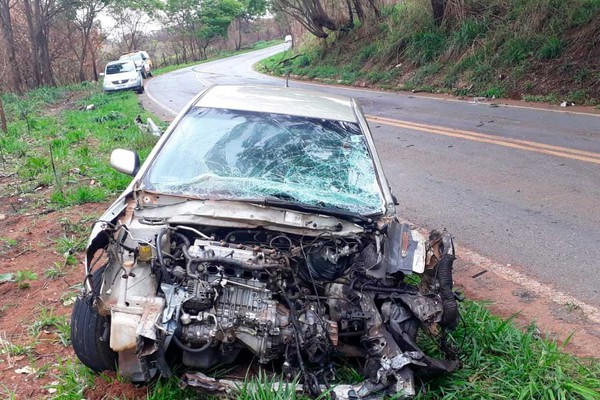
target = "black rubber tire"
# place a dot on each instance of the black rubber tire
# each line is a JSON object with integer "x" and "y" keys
{"x": 87, "y": 328}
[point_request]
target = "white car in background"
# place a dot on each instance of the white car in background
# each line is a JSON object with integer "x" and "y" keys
{"x": 142, "y": 61}
{"x": 122, "y": 75}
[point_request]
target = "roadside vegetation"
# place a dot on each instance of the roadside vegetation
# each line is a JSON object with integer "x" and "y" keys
{"x": 59, "y": 141}
{"x": 535, "y": 50}
{"x": 55, "y": 158}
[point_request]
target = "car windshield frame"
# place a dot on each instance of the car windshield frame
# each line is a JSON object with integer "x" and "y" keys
{"x": 259, "y": 156}
{"x": 121, "y": 70}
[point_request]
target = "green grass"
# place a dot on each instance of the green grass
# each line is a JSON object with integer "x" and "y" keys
{"x": 10, "y": 349}
{"x": 548, "y": 98}
{"x": 24, "y": 277}
{"x": 68, "y": 151}
{"x": 61, "y": 268}
{"x": 57, "y": 324}
{"x": 503, "y": 362}
{"x": 256, "y": 46}
{"x": 73, "y": 378}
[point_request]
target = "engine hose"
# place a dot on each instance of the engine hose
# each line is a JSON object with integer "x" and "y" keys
{"x": 449, "y": 305}
{"x": 183, "y": 238}
{"x": 159, "y": 248}
{"x": 190, "y": 349}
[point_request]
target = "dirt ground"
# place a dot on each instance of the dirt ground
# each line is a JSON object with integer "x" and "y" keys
{"x": 29, "y": 235}
{"x": 29, "y": 230}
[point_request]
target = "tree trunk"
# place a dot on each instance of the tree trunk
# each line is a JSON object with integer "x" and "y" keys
{"x": 45, "y": 59}
{"x": 360, "y": 12}
{"x": 94, "y": 64}
{"x": 84, "y": 48}
{"x": 350, "y": 24}
{"x": 439, "y": 8}
{"x": 238, "y": 43}
{"x": 375, "y": 8}
{"x": 184, "y": 51}
{"x": 3, "y": 125}
{"x": 37, "y": 79}
{"x": 7, "y": 29}
{"x": 39, "y": 34}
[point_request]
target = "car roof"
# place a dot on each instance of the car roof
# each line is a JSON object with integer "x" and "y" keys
{"x": 119, "y": 62}
{"x": 279, "y": 100}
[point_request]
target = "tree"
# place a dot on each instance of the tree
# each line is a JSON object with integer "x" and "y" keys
{"x": 215, "y": 18}
{"x": 129, "y": 23}
{"x": 182, "y": 18}
{"x": 309, "y": 13}
{"x": 9, "y": 37}
{"x": 249, "y": 9}
{"x": 40, "y": 15}
{"x": 85, "y": 19}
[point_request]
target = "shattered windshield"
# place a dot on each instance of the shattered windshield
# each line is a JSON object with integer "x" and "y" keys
{"x": 229, "y": 154}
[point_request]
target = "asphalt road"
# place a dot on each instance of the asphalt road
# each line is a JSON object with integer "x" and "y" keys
{"x": 518, "y": 185}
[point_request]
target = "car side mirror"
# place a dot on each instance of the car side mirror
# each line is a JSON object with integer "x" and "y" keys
{"x": 101, "y": 74}
{"x": 125, "y": 161}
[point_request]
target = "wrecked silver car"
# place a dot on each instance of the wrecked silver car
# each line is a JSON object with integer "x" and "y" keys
{"x": 262, "y": 224}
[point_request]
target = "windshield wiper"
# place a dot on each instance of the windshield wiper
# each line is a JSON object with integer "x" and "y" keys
{"x": 288, "y": 201}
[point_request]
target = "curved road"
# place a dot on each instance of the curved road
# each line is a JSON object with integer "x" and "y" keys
{"x": 520, "y": 186}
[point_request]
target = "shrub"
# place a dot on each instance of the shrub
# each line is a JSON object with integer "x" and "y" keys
{"x": 517, "y": 50}
{"x": 551, "y": 49}
{"x": 585, "y": 12}
{"x": 424, "y": 47}
{"x": 467, "y": 33}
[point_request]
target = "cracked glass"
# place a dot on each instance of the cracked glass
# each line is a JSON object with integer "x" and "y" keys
{"x": 231, "y": 154}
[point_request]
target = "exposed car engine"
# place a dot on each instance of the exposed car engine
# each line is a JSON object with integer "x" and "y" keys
{"x": 305, "y": 300}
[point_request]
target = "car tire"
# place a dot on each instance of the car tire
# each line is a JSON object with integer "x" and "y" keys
{"x": 140, "y": 90}
{"x": 87, "y": 329}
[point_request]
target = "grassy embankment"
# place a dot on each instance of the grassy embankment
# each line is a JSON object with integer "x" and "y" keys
{"x": 55, "y": 144}
{"x": 256, "y": 46}
{"x": 535, "y": 50}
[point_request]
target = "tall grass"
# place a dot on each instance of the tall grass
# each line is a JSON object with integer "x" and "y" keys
{"x": 500, "y": 361}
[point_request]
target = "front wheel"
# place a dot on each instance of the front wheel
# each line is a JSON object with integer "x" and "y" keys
{"x": 88, "y": 332}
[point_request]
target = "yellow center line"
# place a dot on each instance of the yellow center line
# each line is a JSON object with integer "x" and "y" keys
{"x": 535, "y": 147}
